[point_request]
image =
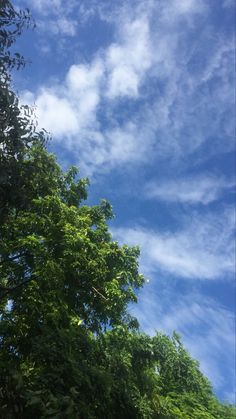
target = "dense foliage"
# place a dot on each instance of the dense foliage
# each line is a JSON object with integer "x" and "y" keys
{"x": 69, "y": 348}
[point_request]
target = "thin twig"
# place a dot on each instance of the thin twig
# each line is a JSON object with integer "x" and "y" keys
{"x": 99, "y": 293}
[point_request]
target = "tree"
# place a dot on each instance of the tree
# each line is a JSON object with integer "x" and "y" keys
{"x": 12, "y": 22}
{"x": 17, "y": 126}
{"x": 68, "y": 347}
{"x": 60, "y": 269}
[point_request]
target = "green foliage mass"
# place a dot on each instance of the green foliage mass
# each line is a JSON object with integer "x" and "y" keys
{"x": 68, "y": 347}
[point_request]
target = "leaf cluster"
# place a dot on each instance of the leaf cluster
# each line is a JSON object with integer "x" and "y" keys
{"x": 12, "y": 23}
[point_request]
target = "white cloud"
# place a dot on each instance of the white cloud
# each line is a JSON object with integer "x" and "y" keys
{"x": 66, "y": 109}
{"x": 195, "y": 105}
{"x": 81, "y": 78}
{"x": 187, "y": 6}
{"x": 69, "y": 110}
{"x": 169, "y": 82}
{"x": 202, "y": 249}
{"x": 44, "y": 6}
{"x": 54, "y": 16}
{"x": 62, "y": 26}
{"x": 216, "y": 66}
{"x": 113, "y": 147}
{"x": 128, "y": 62}
{"x": 56, "y": 114}
{"x": 175, "y": 10}
{"x": 191, "y": 190}
{"x": 229, "y": 3}
{"x": 58, "y": 7}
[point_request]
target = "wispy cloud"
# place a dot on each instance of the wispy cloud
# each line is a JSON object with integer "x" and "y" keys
{"x": 229, "y": 3}
{"x": 202, "y": 189}
{"x": 202, "y": 248}
{"x": 163, "y": 87}
{"x": 55, "y": 16}
{"x": 70, "y": 110}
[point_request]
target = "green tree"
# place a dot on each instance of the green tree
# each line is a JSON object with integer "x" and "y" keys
{"x": 12, "y": 22}
{"x": 68, "y": 347}
{"x": 17, "y": 125}
{"x": 60, "y": 269}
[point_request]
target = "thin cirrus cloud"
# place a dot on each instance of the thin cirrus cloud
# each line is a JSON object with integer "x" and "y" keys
{"x": 149, "y": 50}
{"x": 202, "y": 248}
{"x": 190, "y": 190}
{"x": 58, "y": 14}
{"x": 176, "y": 105}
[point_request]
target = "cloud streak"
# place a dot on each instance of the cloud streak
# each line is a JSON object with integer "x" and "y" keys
{"x": 200, "y": 189}
{"x": 203, "y": 248}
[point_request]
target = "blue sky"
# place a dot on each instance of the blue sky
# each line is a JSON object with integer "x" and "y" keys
{"x": 140, "y": 94}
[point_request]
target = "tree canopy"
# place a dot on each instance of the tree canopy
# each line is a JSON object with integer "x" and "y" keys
{"x": 68, "y": 345}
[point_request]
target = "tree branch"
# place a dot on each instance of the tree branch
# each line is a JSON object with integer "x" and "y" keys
{"x": 12, "y": 289}
{"x": 99, "y": 293}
